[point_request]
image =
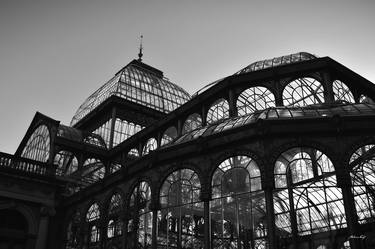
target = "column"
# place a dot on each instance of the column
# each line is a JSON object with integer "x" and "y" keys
{"x": 113, "y": 121}
{"x": 344, "y": 182}
{"x": 327, "y": 82}
{"x": 271, "y": 234}
{"x": 206, "y": 197}
{"x": 204, "y": 115}
{"x": 154, "y": 207}
{"x": 232, "y": 104}
{"x": 45, "y": 213}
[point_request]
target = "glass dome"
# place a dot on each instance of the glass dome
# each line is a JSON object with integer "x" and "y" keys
{"x": 139, "y": 83}
{"x": 277, "y": 61}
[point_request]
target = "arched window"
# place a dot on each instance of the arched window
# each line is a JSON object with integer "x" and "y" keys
{"x": 194, "y": 121}
{"x": 94, "y": 234}
{"x": 169, "y": 135}
{"x": 115, "y": 209}
{"x": 140, "y": 224}
{"x": 95, "y": 139}
{"x": 114, "y": 166}
{"x": 92, "y": 218}
{"x": 303, "y": 92}
{"x": 346, "y": 245}
{"x": 362, "y": 172}
{"x": 13, "y": 226}
{"x": 342, "y": 92}
{"x": 180, "y": 220}
{"x": 94, "y": 170}
{"x": 254, "y": 99}
{"x": 93, "y": 213}
{"x": 133, "y": 153}
{"x": 219, "y": 110}
{"x": 66, "y": 163}
{"x": 150, "y": 145}
{"x": 237, "y": 209}
{"x": 306, "y": 193}
{"x": 38, "y": 145}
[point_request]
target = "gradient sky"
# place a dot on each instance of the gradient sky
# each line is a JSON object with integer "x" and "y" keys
{"x": 54, "y": 54}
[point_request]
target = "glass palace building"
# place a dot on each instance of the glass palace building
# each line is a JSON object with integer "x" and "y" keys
{"x": 280, "y": 154}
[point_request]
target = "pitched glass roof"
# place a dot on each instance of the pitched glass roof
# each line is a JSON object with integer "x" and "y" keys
{"x": 139, "y": 83}
{"x": 74, "y": 134}
{"x": 277, "y": 61}
{"x": 281, "y": 112}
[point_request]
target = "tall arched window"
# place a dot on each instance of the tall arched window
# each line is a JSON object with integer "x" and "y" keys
{"x": 92, "y": 218}
{"x": 362, "y": 172}
{"x": 306, "y": 193}
{"x": 150, "y": 145}
{"x": 180, "y": 220}
{"x": 194, "y": 121}
{"x": 140, "y": 224}
{"x": 342, "y": 92}
{"x": 218, "y": 110}
{"x": 66, "y": 162}
{"x": 254, "y": 99}
{"x": 115, "y": 223}
{"x": 237, "y": 209}
{"x": 303, "y": 92}
{"x": 38, "y": 145}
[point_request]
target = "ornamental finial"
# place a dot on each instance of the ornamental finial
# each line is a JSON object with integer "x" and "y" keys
{"x": 140, "y": 54}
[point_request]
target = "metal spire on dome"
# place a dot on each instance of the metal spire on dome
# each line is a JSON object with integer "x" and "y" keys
{"x": 140, "y": 54}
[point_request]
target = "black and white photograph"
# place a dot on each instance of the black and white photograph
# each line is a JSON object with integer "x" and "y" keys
{"x": 187, "y": 124}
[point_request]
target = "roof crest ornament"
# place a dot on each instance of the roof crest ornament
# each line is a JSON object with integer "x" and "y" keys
{"x": 140, "y": 54}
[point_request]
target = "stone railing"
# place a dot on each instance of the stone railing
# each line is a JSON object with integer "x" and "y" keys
{"x": 11, "y": 162}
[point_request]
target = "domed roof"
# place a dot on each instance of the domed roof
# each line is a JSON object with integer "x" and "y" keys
{"x": 139, "y": 83}
{"x": 263, "y": 64}
{"x": 277, "y": 61}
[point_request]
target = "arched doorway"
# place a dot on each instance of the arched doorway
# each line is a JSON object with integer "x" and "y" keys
{"x": 13, "y": 229}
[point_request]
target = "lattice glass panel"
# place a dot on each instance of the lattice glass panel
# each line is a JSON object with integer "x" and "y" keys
{"x": 254, "y": 99}
{"x": 303, "y": 92}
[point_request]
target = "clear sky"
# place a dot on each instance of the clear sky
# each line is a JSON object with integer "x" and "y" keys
{"x": 55, "y": 53}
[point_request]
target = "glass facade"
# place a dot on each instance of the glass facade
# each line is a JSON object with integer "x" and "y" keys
{"x": 137, "y": 85}
{"x": 237, "y": 209}
{"x": 285, "y": 161}
{"x": 342, "y": 92}
{"x": 362, "y": 168}
{"x": 307, "y": 199}
{"x": 219, "y": 110}
{"x": 115, "y": 210}
{"x": 303, "y": 92}
{"x": 180, "y": 220}
{"x": 140, "y": 223}
{"x": 123, "y": 130}
{"x": 38, "y": 145}
{"x": 66, "y": 163}
{"x": 254, "y": 99}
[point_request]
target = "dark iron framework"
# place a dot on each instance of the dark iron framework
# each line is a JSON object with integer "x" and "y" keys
{"x": 279, "y": 155}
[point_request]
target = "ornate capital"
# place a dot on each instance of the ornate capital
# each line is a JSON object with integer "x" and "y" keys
{"x": 47, "y": 211}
